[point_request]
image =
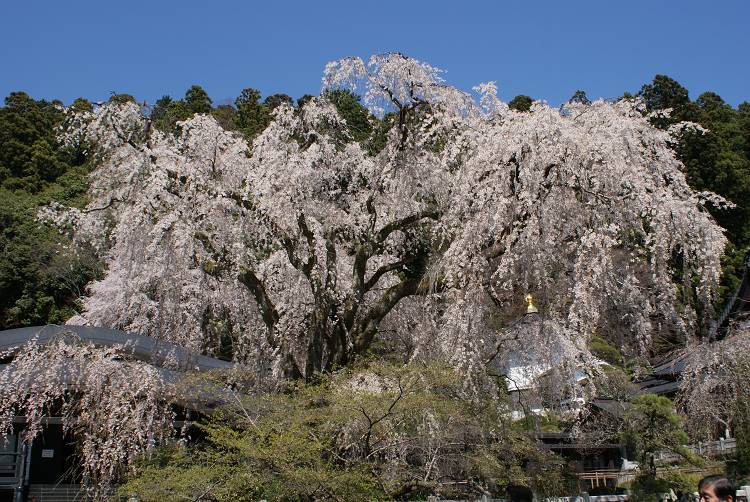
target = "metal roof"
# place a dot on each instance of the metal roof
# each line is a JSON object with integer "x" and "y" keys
{"x": 144, "y": 348}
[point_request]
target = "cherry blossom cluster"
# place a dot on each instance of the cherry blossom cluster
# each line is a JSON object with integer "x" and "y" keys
{"x": 301, "y": 252}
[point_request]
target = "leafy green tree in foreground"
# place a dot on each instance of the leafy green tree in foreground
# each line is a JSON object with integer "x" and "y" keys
{"x": 382, "y": 433}
{"x": 652, "y": 426}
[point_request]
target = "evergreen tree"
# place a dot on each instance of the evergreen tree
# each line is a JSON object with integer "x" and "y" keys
{"x": 521, "y": 103}
{"x": 197, "y": 100}
{"x": 252, "y": 117}
{"x": 580, "y": 97}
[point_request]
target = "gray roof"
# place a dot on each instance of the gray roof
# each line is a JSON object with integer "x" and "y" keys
{"x": 611, "y": 406}
{"x": 144, "y": 348}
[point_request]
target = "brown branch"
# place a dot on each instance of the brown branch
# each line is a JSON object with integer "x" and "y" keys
{"x": 369, "y": 325}
{"x": 380, "y": 272}
{"x": 108, "y": 204}
{"x": 331, "y": 275}
{"x": 267, "y": 309}
{"x": 405, "y": 222}
{"x": 310, "y": 237}
{"x": 290, "y": 246}
{"x": 372, "y": 423}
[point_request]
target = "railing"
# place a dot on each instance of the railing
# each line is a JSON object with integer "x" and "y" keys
{"x": 575, "y": 498}
{"x": 741, "y": 496}
{"x": 599, "y": 478}
{"x": 711, "y": 449}
{"x": 59, "y": 493}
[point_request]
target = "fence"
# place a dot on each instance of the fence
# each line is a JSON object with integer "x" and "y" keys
{"x": 711, "y": 449}
{"x": 742, "y": 496}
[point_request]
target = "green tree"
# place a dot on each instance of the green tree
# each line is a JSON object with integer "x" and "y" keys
{"x": 580, "y": 97}
{"x": 121, "y": 98}
{"x": 226, "y": 116}
{"x": 383, "y": 432}
{"x": 159, "y": 111}
{"x": 664, "y": 92}
{"x": 197, "y": 100}
{"x": 42, "y": 274}
{"x": 275, "y": 100}
{"x": 715, "y": 160}
{"x": 167, "y": 112}
{"x": 304, "y": 100}
{"x": 29, "y": 150}
{"x": 252, "y": 116}
{"x": 521, "y": 103}
{"x": 356, "y": 115}
{"x": 652, "y": 426}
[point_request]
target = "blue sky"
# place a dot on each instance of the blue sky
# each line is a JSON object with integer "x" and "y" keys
{"x": 546, "y": 49}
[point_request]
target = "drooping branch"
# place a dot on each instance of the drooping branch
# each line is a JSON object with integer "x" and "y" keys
{"x": 102, "y": 208}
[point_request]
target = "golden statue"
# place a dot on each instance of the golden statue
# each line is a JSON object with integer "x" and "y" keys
{"x": 530, "y": 307}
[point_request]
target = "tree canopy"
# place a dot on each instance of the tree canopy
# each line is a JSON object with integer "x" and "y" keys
{"x": 392, "y": 217}
{"x": 307, "y": 250}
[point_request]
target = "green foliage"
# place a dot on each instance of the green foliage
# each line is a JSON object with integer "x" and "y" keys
{"x": 336, "y": 440}
{"x": 604, "y": 351}
{"x": 197, "y": 100}
{"x": 664, "y": 92}
{"x": 739, "y": 467}
{"x": 651, "y": 426}
{"x": 646, "y": 488}
{"x": 380, "y": 134}
{"x": 30, "y": 155}
{"x": 538, "y": 423}
{"x": 363, "y": 127}
{"x": 275, "y": 100}
{"x": 82, "y": 105}
{"x": 580, "y": 97}
{"x": 226, "y": 116}
{"x": 121, "y": 98}
{"x": 167, "y": 112}
{"x": 42, "y": 274}
{"x": 159, "y": 110}
{"x": 252, "y": 116}
{"x": 357, "y": 117}
{"x": 521, "y": 103}
{"x": 304, "y": 100}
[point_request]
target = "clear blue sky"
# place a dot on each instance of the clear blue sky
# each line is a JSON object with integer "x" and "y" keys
{"x": 547, "y": 49}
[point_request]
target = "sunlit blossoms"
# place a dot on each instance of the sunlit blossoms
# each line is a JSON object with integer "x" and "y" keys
{"x": 302, "y": 252}
{"x": 715, "y": 387}
{"x": 116, "y": 409}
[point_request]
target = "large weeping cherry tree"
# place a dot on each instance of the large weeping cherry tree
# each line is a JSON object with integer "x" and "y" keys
{"x": 304, "y": 251}
{"x": 297, "y": 253}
